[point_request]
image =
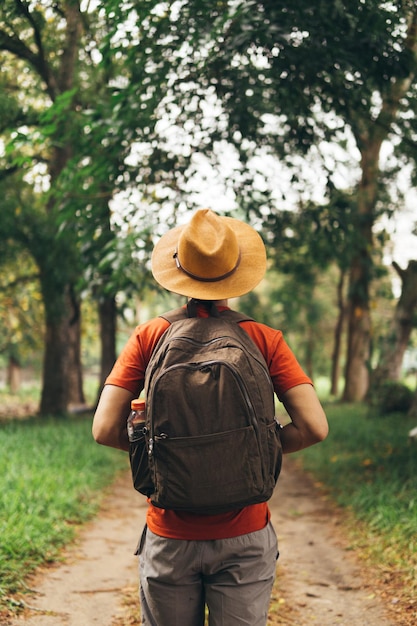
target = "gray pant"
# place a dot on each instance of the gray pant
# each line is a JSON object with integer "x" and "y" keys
{"x": 233, "y": 577}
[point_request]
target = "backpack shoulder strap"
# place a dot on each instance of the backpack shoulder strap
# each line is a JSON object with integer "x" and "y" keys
{"x": 175, "y": 315}
{"x": 235, "y": 316}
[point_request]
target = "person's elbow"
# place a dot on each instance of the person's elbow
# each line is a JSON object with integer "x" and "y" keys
{"x": 109, "y": 423}
{"x": 111, "y": 437}
{"x": 320, "y": 431}
{"x": 100, "y": 435}
{"x": 308, "y": 418}
{"x": 306, "y": 436}
{"x": 316, "y": 429}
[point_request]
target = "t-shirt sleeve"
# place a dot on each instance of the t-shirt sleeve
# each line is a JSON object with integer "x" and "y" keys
{"x": 129, "y": 370}
{"x": 284, "y": 368}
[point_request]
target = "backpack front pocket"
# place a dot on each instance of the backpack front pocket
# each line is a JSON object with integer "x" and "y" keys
{"x": 237, "y": 469}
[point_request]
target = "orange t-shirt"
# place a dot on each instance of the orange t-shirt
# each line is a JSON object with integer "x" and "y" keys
{"x": 129, "y": 373}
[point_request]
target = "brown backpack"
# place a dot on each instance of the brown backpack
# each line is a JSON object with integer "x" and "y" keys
{"x": 212, "y": 441}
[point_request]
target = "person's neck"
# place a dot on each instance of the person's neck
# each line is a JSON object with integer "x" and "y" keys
{"x": 219, "y": 302}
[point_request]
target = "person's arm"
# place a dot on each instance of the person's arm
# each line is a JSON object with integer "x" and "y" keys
{"x": 308, "y": 421}
{"x": 109, "y": 423}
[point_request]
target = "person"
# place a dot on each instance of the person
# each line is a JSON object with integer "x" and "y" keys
{"x": 227, "y": 561}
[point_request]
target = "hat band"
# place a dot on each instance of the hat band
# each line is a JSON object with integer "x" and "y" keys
{"x": 204, "y": 279}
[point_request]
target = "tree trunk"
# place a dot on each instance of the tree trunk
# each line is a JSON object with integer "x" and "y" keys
{"x": 76, "y": 395}
{"x": 359, "y": 331}
{"x": 357, "y": 372}
{"x": 369, "y": 134}
{"x": 338, "y": 332}
{"x": 14, "y": 374}
{"x": 359, "y": 319}
{"x": 62, "y": 378}
{"x": 396, "y": 342}
{"x": 413, "y": 409}
{"x": 54, "y": 397}
{"x": 108, "y": 324}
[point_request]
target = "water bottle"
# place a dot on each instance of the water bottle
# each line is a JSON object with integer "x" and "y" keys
{"x": 136, "y": 420}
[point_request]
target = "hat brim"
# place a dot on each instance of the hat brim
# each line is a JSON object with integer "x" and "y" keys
{"x": 248, "y": 274}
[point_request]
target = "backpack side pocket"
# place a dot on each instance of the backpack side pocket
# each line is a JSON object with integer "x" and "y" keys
{"x": 139, "y": 465}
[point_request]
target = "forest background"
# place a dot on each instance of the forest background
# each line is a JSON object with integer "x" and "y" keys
{"x": 119, "y": 118}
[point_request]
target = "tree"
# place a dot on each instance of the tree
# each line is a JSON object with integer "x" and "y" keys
{"x": 28, "y": 37}
{"x": 289, "y": 82}
{"x": 397, "y": 339}
{"x": 64, "y": 162}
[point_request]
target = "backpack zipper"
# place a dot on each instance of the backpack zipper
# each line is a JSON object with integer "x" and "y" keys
{"x": 214, "y": 340}
{"x": 200, "y": 365}
{"x": 235, "y": 374}
{"x": 262, "y": 363}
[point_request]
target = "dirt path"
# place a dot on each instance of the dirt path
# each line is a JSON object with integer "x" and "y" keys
{"x": 318, "y": 575}
{"x": 86, "y": 589}
{"x": 319, "y": 582}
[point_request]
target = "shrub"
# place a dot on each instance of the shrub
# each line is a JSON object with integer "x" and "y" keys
{"x": 391, "y": 397}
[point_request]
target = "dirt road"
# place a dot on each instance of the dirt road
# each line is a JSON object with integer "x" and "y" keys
{"x": 319, "y": 581}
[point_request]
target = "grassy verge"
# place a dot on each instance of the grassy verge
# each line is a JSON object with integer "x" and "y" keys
{"x": 369, "y": 466}
{"x": 52, "y": 473}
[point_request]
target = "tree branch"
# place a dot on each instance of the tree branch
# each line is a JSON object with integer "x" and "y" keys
{"x": 399, "y": 88}
{"x": 21, "y": 280}
{"x": 24, "y": 9}
{"x": 8, "y": 171}
{"x": 17, "y": 47}
{"x": 70, "y": 51}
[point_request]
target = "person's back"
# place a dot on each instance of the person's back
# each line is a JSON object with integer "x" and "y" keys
{"x": 226, "y": 560}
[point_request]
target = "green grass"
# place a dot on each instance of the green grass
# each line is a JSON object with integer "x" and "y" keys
{"x": 52, "y": 475}
{"x": 369, "y": 466}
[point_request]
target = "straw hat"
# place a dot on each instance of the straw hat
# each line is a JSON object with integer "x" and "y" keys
{"x": 210, "y": 258}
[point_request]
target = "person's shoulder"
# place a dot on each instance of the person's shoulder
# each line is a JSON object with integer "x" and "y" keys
{"x": 152, "y": 327}
{"x": 260, "y": 327}
{"x": 266, "y": 337}
{"x": 154, "y": 322}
